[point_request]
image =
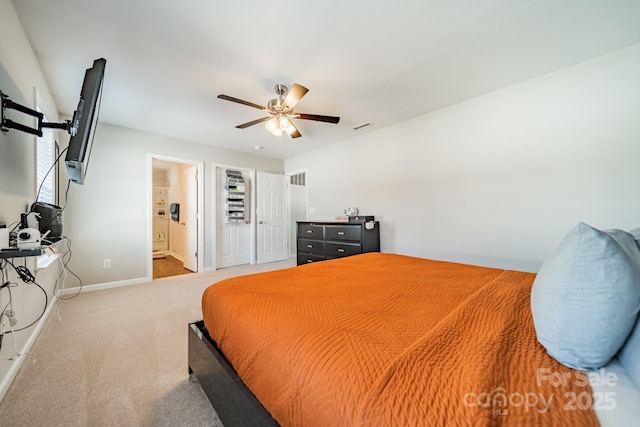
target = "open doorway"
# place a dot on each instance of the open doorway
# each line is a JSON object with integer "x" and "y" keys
{"x": 175, "y": 233}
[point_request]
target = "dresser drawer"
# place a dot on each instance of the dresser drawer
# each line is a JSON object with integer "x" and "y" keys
{"x": 308, "y": 231}
{"x": 312, "y": 247}
{"x": 320, "y": 240}
{"x": 337, "y": 250}
{"x": 344, "y": 232}
{"x": 308, "y": 259}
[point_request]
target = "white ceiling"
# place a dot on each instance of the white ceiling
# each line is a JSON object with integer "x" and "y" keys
{"x": 377, "y": 62}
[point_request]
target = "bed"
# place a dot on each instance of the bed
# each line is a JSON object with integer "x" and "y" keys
{"x": 381, "y": 339}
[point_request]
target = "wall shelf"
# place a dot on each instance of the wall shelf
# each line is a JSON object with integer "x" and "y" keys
{"x": 160, "y": 207}
{"x": 20, "y": 253}
{"x": 234, "y": 198}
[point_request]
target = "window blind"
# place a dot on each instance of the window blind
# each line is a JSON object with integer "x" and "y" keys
{"x": 45, "y": 156}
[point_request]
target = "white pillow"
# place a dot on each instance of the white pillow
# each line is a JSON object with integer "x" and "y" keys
{"x": 586, "y": 296}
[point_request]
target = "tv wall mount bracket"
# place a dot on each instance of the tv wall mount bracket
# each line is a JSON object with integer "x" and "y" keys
{"x": 7, "y": 124}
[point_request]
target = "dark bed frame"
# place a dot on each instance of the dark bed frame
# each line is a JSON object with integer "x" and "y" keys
{"x": 234, "y": 403}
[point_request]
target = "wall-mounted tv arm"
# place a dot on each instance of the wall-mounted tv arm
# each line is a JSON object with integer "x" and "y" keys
{"x": 8, "y": 104}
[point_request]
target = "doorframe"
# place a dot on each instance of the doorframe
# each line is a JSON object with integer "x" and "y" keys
{"x": 200, "y": 228}
{"x": 252, "y": 211}
{"x": 288, "y": 202}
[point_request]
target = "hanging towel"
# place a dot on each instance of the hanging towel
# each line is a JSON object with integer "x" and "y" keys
{"x": 174, "y": 208}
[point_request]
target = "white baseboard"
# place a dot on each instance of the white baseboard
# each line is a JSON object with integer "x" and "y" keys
{"x": 176, "y": 256}
{"x": 108, "y": 285}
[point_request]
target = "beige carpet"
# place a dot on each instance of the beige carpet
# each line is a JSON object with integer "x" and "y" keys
{"x": 118, "y": 357}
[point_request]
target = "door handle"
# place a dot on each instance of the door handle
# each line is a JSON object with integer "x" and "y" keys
{"x": 259, "y": 222}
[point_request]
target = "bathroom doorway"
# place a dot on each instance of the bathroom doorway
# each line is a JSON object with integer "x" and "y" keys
{"x": 175, "y": 230}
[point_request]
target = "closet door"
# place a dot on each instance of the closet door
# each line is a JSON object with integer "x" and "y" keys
{"x": 233, "y": 237}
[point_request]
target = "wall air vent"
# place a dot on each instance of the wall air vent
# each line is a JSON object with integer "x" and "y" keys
{"x": 299, "y": 179}
{"x": 362, "y": 126}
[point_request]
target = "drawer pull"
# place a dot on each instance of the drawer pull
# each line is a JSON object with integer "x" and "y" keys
{"x": 309, "y": 231}
{"x": 340, "y": 233}
{"x": 310, "y": 246}
{"x": 309, "y": 261}
{"x": 340, "y": 250}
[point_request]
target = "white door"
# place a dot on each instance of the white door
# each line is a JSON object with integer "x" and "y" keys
{"x": 272, "y": 218}
{"x": 189, "y": 217}
{"x": 233, "y": 240}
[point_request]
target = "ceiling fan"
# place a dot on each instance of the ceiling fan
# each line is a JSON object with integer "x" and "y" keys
{"x": 281, "y": 111}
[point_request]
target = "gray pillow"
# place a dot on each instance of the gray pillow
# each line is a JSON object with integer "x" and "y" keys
{"x": 586, "y": 296}
{"x": 629, "y": 356}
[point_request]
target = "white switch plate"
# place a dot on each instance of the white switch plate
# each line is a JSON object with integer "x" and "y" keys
{"x": 106, "y": 263}
{"x": 312, "y": 210}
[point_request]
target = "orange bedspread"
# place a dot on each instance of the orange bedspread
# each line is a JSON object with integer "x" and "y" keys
{"x": 380, "y": 339}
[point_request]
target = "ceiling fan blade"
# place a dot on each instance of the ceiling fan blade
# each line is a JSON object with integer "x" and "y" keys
{"x": 254, "y": 122}
{"x": 318, "y": 118}
{"x": 296, "y": 133}
{"x": 240, "y": 101}
{"x": 294, "y": 95}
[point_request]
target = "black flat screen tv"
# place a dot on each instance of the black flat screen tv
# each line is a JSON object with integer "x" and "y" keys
{"x": 84, "y": 122}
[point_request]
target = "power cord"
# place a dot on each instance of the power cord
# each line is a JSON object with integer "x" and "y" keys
{"x": 24, "y": 273}
{"x": 26, "y": 276}
{"x": 8, "y": 312}
{"x": 64, "y": 262}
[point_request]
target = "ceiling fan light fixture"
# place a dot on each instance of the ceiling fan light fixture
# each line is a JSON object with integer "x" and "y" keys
{"x": 285, "y": 124}
{"x": 273, "y": 126}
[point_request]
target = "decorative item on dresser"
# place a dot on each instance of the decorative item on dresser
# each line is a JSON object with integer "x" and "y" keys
{"x": 322, "y": 240}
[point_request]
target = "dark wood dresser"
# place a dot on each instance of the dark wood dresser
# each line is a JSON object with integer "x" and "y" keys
{"x": 322, "y": 240}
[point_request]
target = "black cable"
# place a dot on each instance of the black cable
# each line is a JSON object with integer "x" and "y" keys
{"x": 66, "y": 196}
{"x": 23, "y": 272}
{"x": 31, "y": 209}
{"x": 20, "y": 270}
{"x": 57, "y": 152}
{"x": 42, "y": 226}
{"x": 49, "y": 171}
{"x": 46, "y": 303}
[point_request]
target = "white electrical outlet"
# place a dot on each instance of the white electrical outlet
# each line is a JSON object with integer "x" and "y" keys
{"x": 106, "y": 263}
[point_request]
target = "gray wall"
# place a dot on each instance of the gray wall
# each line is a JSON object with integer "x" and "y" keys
{"x": 497, "y": 180}
{"x": 108, "y": 217}
{"x": 17, "y": 151}
{"x": 20, "y": 77}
